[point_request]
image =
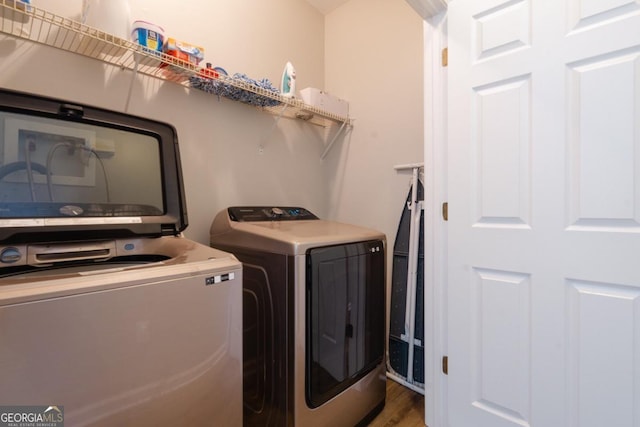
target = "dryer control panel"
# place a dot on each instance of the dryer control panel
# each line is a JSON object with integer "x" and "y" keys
{"x": 269, "y": 213}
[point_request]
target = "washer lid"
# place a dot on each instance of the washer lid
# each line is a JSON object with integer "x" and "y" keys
{"x": 71, "y": 171}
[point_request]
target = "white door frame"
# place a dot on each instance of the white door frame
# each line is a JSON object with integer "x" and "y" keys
{"x": 435, "y": 180}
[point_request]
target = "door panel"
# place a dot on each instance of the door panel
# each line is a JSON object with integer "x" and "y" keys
{"x": 501, "y": 29}
{"x": 603, "y": 109}
{"x": 500, "y": 135}
{"x": 500, "y": 383}
{"x": 544, "y": 213}
{"x": 602, "y": 351}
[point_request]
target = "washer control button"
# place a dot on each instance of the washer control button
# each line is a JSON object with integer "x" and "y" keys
{"x": 10, "y": 255}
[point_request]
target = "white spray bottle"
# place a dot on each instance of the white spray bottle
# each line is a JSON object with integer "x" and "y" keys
{"x": 288, "y": 85}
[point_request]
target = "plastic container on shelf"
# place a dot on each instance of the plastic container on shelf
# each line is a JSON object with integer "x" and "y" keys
{"x": 148, "y": 35}
{"x": 16, "y": 15}
{"x": 325, "y": 101}
{"x": 19, "y": 4}
{"x": 209, "y": 72}
{"x": 184, "y": 51}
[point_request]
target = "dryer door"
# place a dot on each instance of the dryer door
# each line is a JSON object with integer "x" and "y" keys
{"x": 345, "y": 316}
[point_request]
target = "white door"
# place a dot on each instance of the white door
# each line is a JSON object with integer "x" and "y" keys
{"x": 544, "y": 213}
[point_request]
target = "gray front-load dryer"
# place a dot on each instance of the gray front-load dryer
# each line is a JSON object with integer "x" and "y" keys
{"x": 313, "y": 316}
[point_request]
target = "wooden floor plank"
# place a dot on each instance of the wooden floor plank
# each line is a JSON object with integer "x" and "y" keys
{"x": 404, "y": 407}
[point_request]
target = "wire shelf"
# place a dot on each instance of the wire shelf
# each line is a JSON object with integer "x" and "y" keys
{"x": 24, "y": 21}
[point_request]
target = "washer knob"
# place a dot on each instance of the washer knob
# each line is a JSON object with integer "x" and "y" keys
{"x": 10, "y": 255}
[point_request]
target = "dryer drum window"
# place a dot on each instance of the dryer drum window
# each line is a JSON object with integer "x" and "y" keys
{"x": 345, "y": 317}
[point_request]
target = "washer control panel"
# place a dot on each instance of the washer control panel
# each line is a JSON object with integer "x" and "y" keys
{"x": 269, "y": 213}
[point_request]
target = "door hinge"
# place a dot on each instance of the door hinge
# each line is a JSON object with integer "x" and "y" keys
{"x": 445, "y": 365}
{"x": 445, "y": 56}
{"x": 445, "y": 211}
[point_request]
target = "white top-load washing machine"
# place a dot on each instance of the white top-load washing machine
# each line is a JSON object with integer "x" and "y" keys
{"x": 314, "y": 316}
{"x": 108, "y": 317}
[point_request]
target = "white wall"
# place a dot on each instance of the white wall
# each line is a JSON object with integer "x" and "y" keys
{"x": 374, "y": 59}
{"x": 219, "y": 140}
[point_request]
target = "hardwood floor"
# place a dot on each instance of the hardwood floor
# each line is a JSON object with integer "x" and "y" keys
{"x": 404, "y": 407}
